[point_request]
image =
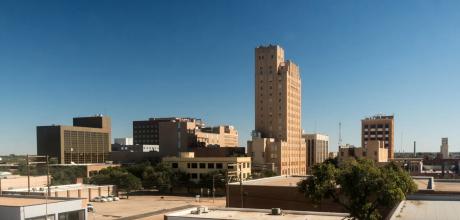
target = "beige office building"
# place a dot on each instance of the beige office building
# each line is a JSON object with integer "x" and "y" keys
{"x": 196, "y": 167}
{"x": 317, "y": 148}
{"x": 375, "y": 151}
{"x": 87, "y": 141}
{"x": 277, "y": 139}
{"x": 219, "y": 136}
{"x": 174, "y": 135}
{"x": 379, "y": 128}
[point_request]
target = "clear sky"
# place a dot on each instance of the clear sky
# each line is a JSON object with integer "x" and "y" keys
{"x": 137, "y": 59}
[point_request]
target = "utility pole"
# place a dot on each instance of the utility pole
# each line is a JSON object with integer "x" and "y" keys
{"x": 241, "y": 182}
{"x": 28, "y": 174}
{"x": 213, "y": 188}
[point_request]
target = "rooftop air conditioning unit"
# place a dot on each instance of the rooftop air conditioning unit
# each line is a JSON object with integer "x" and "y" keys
{"x": 276, "y": 211}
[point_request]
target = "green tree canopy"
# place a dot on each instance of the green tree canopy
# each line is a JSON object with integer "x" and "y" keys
{"x": 359, "y": 186}
{"x": 119, "y": 177}
{"x": 158, "y": 176}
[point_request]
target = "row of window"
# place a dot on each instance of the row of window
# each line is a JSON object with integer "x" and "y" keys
{"x": 377, "y": 132}
{"x": 146, "y": 131}
{"x": 200, "y": 175}
{"x": 377, "y": 126}
{"x": 145, "y": 126}
{"x": 208, "y": 165}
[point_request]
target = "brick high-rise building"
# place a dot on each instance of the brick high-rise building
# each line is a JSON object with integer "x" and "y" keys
{"x": 87, "y": 141}
{"x": 277, "y": 138}
{"x": 379, "y": 128}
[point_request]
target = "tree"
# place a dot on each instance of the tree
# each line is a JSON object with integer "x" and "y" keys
{"x": 206, "y": 180}
{"x": 119, "y": 177}
{"x": 359, "y": 186}
{"x": 158, "y": 177}
{"x": 62, "y": 175}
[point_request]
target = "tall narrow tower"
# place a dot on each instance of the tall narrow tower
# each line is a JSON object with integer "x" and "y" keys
{"x": 445, "y": 148}
{"x": 277, "y": 138}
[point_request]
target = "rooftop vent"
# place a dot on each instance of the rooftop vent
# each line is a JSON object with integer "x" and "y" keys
{"x": 199, "y": 210}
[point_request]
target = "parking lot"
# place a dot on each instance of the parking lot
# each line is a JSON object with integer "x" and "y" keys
{"x": 147, "y": 207}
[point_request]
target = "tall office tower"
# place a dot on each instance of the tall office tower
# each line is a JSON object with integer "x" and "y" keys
{"x": 317, "y": 148}
{"x": 277, "y": 140}
{"x": 445, "y": 148}
{"x": 87, "y": 141}
{"x": 379, "y": 128}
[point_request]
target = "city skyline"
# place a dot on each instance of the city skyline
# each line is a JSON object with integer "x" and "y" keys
{"x": 126, "y": 62}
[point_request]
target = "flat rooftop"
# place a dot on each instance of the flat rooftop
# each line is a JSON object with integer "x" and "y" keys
{"x": 256, "y": 214}
{"x": 423, "y": 209}
{"x": 452, "y": 186}
{"x": 57, "y": 188}
{"x": 25, "y": 201}
{"x": 290, "y": 181}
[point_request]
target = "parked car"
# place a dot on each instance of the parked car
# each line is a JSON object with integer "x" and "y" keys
{"x": 103, "y": 199}
{"x": 90, "y": 207}
{"x": 114, "y": 198}
{"x": 108, "y": 198}
{"x": 96, "y": 199}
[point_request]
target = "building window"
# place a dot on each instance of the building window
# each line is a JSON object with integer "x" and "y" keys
{"x": 219, "y": 166}
{"x": 75, "y": 215}
{"x": 210, "y": 165}
{"x": 188, "y": 165}
{"x": 194, "y": 165}
{"x": 175, "y": 165}
{"x": 202, "y": 166}
{"x": 194, "y": 176}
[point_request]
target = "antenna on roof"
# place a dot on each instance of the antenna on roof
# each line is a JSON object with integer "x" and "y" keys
{"x": 340, "y": 134}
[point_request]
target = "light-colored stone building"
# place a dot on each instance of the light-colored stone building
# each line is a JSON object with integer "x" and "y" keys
{"x": 174, "y": 135}
{"x": 317, "y": 148}
{"x": 221, "y": 136}
{"x": 445, "y": 148}
{"x": 277, "y": 139}
{"x": 196, "y": 167}
{"x": 375, "y": 151}
{"x": 379, "y": 128}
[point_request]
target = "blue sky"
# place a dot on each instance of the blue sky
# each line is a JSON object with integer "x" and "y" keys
{"x": 133, "y": 60}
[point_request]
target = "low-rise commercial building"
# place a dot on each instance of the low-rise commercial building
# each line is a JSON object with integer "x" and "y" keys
{"x": 198, "y": 166}
{"x": 255, "y": 214}
{"x": 276, "y": 192}
{"x": 87, "y": 141}
{"x": 37, "y": 208}
{"x": 375, "y": 151}
{"x": 81, "y": 191}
